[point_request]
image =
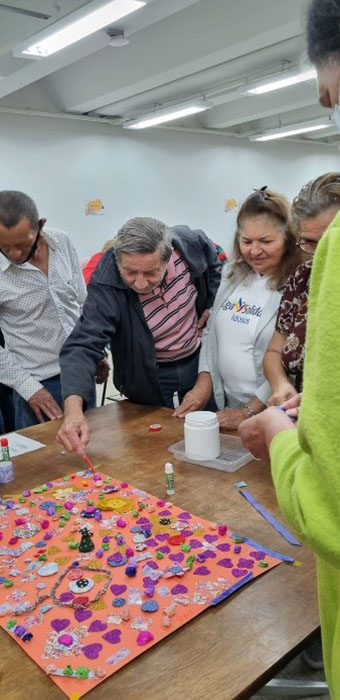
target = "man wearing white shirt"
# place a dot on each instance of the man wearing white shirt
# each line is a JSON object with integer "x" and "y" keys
{"x": 41, "y": 297}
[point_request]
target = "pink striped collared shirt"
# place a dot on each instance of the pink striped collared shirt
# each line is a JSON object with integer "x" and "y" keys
{"x": 170, "y": 312}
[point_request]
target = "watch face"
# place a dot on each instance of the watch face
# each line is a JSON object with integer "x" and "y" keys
{"x": 82, "y": 585}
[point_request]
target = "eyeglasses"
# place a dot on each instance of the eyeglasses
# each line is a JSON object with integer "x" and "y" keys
{"x": 307, "y": 245}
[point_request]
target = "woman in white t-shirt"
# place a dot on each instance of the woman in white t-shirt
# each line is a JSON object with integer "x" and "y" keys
{"x": 244, "y": 313}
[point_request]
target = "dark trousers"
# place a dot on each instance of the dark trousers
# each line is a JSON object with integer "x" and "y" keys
{"x": 177, "y": 376}
{"x": 6, "y": 409}
{"x": 24, "y": 416}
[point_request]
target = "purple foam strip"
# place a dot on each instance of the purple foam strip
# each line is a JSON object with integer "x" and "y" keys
{"x": 232, "y": 590}
{"x": 270, "y": 518}
{"x": 261, "y": 548}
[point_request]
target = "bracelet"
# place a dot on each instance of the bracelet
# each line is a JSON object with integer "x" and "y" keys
{"x": 250, "y": 412}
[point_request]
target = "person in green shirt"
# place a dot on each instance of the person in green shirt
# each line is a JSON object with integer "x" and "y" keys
{"x": 305, "y": 455}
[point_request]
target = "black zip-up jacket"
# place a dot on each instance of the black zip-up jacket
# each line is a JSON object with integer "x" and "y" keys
{"x": 112, "y": 314}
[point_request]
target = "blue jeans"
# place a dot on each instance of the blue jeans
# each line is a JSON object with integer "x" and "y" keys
{"x": 177, "y": 376}
{"x": 24, "y": 416}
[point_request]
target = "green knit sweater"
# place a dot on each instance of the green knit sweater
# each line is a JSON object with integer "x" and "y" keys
{"x": 306, "y": 462}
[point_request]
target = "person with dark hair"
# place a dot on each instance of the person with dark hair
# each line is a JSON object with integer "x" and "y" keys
{"x": 305, "y": 455}
{"x": 314, "y": 208}
{"x": 41, "y": 296}
{"x": 244, "y": 312}
{"x": 149, "y": 298}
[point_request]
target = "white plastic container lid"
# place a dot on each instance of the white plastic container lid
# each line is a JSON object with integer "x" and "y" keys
{"x": 201, "y": 418}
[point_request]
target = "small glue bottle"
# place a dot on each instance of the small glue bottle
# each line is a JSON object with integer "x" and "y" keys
{"x": 169, "y": 478}
{"x": 6, "y": 466}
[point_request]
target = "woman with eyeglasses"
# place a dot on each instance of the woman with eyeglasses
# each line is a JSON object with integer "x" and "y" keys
{"x": 243, "y": 317}
{"x": 314, "y": 209}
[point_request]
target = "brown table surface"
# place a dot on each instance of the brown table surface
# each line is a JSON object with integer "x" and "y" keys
{"x": 227, "y": 652}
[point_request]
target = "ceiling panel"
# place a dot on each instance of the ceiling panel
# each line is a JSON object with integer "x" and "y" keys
{"x": 177, "y": 50}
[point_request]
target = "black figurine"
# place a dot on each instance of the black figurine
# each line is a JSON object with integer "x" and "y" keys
{"x": 86, "y": 544}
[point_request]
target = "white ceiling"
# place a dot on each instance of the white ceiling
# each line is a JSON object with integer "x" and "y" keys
{"x": 178, "y": 50}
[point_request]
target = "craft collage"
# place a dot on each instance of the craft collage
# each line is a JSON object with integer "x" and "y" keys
{"x": 94, "y": 571}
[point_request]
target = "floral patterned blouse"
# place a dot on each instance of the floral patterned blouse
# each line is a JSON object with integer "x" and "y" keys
{"x": 291, "y": 322}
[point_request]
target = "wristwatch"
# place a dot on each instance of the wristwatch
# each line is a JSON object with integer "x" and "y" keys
{"x": 249, "y": 411}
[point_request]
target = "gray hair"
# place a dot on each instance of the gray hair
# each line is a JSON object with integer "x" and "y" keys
{"x": 142, "y": 235}
{"x": 317, "y": 196}
{"x": 15, "y": 206}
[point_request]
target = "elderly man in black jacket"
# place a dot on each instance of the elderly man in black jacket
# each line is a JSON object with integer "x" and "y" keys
{"x": 149, "y": 298}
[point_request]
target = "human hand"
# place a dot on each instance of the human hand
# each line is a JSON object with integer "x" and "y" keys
{"x": 202, "y": 321}
{"x": 284, "y": 392}
{"x": 292, "y": 406}
{"x": 257, "y": 432}
{"x": 102, "y": 371}
{"x": 43, "y": 404}
{"x": 230, "y": 418}
{"x": 74, "y": 433}
{"x": 193, "y": 400}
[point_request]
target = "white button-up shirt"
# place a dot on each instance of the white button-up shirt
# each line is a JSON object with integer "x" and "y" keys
{"x": 37, "y": 314}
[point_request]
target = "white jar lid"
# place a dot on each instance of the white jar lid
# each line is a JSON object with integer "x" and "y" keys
{"x": 201, "y": 418}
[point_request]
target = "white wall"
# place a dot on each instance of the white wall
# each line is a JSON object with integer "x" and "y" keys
{"x": 177, "y": 177}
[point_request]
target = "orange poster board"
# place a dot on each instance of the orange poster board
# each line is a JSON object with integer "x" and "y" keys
{"x": 150, "y": 568}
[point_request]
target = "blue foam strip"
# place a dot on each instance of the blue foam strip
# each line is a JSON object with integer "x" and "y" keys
{"x": 232, "y": 590}
{"x": 270, "y": 518}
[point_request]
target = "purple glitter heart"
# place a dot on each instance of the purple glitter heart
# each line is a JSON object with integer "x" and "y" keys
{"x": 237, "y": 549}
{"x": 59, "y": 625}
{"x": 194, "y": 544}
{"x": 81, "y": 615}
{"x": 186, "y": 533}
{"x": 259, "y": 556}
{"x": 92, "y": 651}
{"x": 152, "y": 565}
{"x": 113, "y": 637}
{"x": 143, "y": 521}
{"x": 239, "y": 573}
{"x": 201, "y": 557}
{"x": 165, "y": 549}
{"x": 209, "y": 554}
{"x": 179, "y": 589}
{"x": 97, "y": 626}
{"x": 117, "y": 589}
{"x": 202, "y": 571}
{"x": 210, "y": 538}
{"x": 162, "y": 536}
{"x": 184, "y": 516}
{"x": 164, "y": 512}
{"x": 177, "y": 557}
{"x": 148, "y": 582}
{"x": 66, "y": 597}
{"x": 227, "y": 563}
{"x": 245, "y": 563}
{"x": 152, "y": 542}
{"x": 224, "y": 547}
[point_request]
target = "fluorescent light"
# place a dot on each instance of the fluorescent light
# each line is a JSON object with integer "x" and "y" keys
{"x": 167, "y": 114}
{"x": 80, "y": 28}
{"x": 293, "y": 130}
{"x": 285, "y": 80}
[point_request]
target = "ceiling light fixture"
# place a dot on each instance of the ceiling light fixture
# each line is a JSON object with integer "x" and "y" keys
{"x": 292, "y": 130}
{"x": 167, "y": 114}
{"x": 52, "y": 40}
{"x": 278, "y": 82}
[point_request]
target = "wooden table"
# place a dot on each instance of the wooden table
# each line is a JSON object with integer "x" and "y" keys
{"x": 227, "y": 652}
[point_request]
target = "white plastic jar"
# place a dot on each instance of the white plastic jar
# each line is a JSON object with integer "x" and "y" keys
{"x": 201, "y": 435}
